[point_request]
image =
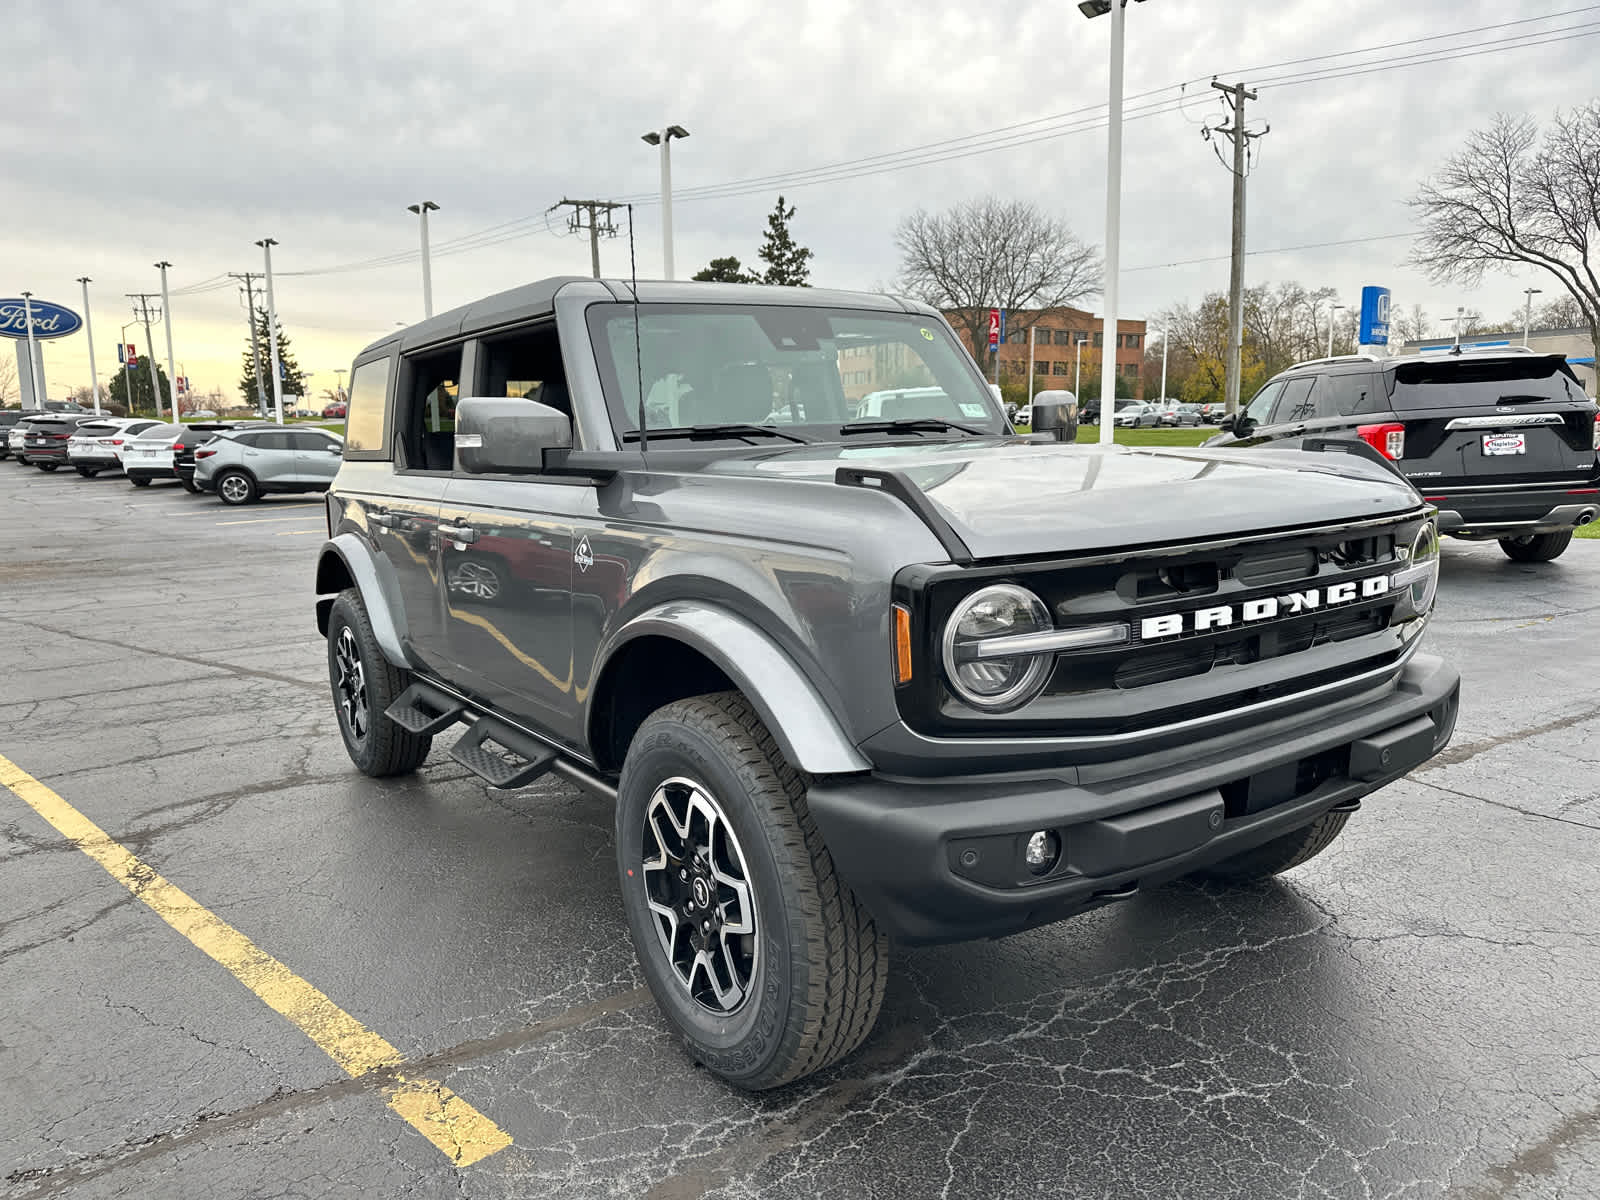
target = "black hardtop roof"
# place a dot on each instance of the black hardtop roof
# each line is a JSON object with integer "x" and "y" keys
{"x": 538, "y": 299}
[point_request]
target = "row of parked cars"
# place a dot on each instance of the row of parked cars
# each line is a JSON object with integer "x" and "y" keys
{"x": 237, "y": 460}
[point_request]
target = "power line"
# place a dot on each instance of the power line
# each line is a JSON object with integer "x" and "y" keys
{"x": 1191, "y": 262}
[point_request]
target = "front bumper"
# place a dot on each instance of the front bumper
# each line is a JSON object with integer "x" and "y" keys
{"x": 1490, "y": 513}
{"x": 940, "y": 860}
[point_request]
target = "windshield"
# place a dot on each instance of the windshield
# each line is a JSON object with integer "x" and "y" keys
{"x": 806, "y": 371}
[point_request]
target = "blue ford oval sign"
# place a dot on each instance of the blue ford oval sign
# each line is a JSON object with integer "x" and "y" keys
{"x": 49, "y": 320}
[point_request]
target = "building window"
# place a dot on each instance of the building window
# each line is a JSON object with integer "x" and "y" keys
{"x": 1100, "y": 340}
{"x": 1041, "y": 367}
{"x": 1062, "y": 337}
{"x": 1061, "y": 368}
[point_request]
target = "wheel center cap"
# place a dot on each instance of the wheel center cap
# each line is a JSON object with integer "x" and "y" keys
{"x": 702, "y": 893}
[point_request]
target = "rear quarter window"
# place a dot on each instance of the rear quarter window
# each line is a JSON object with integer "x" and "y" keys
{"x": 367, "y": 417}
{"x": 1466, "y": 383}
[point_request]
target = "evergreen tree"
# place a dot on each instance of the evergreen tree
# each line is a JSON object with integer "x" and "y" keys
{"x": 143, "y": 401}
{"x": 726, "y": 270}
{"x": 293, "y": 383}
{"x": 786, "y": 259}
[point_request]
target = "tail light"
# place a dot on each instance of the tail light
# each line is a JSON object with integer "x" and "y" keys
{"x": 116, "y": 441}
{"x": 204, "y": 453}
{"x": 1597, "y": 431}
{"x": 1388, "y": 440}
{"x": 176, "y": 446}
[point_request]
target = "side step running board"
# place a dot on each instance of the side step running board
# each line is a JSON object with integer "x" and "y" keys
{"x": 525, "y": 761}
{"x": 424, "y": 709}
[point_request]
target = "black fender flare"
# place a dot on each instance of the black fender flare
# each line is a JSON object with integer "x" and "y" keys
{"x": 792, "y": 709}
{"x": 373, "y": 576}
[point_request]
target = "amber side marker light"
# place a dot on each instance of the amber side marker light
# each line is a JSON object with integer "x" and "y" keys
{"x": 902, "y": 644}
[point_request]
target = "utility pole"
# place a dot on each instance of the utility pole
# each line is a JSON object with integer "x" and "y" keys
{"x": 1236, "y": 95}
{"x": 599, "y": 214}
{"x": 88, "y": 329}
{"x": 249, "y": 278}
{"x": 166, "y": 307}
{"x": 141, "y": 311}
{"x": 266, "y": 245}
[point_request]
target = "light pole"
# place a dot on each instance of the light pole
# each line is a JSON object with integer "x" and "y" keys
{"x": 422, "y": 210}
{"x": 1460, "y": 312}
{"x": 127, "y": 368}
{"x": 664, "y": 140}
{"x": 88, "y": 330}
{"x": 1108, "y": 362}
{"x": 1331, "y": 311}
{"x": 166, "y": 320}
{"x": 1032, "y": 341}
{"x": 1077, "y": 363}
{"x": 1527, "y": 313}
{"x": 266, "y": 245}
{"x": 1164, "y": 331}
{"x": 33, "y": 351}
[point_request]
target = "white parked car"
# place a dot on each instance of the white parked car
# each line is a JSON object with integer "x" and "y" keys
{"x": 149, "y": 455}
{"x": 98, "y": 447}
{"x": 1137, "y": 416}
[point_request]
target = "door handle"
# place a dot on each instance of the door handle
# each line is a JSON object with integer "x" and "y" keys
{"x": 384, "y": 520}
{"x": 458, "y": 533}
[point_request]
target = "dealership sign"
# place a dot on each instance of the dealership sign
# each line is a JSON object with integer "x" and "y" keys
{"x": 1374, "y": 316}
{"x": 49, "y": 320}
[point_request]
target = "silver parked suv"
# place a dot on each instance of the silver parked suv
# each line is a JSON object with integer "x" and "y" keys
{"x": 240, "y": 466}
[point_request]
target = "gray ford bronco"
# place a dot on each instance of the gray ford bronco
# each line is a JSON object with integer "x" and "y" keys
{"x": 850, "y": 672}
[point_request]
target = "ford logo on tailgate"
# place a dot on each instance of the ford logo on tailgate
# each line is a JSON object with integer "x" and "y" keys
{"x": 49, "y": 320}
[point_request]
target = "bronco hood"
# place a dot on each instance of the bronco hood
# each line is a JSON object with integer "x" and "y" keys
{"x": 1015, "y": 499}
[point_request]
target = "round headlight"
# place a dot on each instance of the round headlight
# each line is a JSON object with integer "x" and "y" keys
{"x": 1425, "y": 568}
{"x": 991, "y": 682}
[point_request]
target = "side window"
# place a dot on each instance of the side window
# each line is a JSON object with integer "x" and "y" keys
{"x": 366, "y": 429}
{"x": 273, "y": 440}
{"x": 245, "y": 439}
{"x": 1347, "y": 395}
{"x": 304, "y": 440}
{"x": 526, "y": 365}
{"x": 1297, "y": 403}
{"x": 1260, "y": 407}
{"x": 426, "y": 411}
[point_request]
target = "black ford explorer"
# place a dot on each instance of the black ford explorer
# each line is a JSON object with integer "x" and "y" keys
{"x": 1504, "y": 442}
{"x": 849, "y": 678}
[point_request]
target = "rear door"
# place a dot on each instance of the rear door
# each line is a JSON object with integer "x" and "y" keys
{"x": 316, "y": 457}
{"x": 1518, "y": 419}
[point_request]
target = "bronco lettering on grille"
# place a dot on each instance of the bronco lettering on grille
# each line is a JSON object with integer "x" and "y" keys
{"x": 1267, "y": 608}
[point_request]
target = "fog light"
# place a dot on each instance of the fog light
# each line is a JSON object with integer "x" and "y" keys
{"x": 1044, "y": 848}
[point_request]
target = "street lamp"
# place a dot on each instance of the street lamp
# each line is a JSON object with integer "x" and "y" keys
{"x": 1460, "y": 313}
{"x": 1077, "y": 365}
{"x": 1108, "y": 361}
{"x": 422, "y": 210}
{"x": 1331, "y": 311}
{"x": 664, "y": 140}
{"x": 1527, "y": 313}
{"x": 1165, "y": 329}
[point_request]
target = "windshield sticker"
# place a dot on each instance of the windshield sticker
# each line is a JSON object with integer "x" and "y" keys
{"x": 928, "y": 334}
{"x": 974, "y": 410}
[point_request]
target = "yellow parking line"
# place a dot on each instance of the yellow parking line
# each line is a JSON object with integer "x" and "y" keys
{"x": 298, "y": 532}
{"x": 273, "y": 520}
{"x": 463, "y": 1133}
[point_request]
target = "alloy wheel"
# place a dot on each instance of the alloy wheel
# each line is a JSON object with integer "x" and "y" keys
{"x": 699, "y": 894}
{"x": 235, "y": 489}
{"x": 350, "y": 688}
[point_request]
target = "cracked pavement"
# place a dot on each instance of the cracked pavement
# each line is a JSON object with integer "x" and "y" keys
{"x": 1410, "y": 1015}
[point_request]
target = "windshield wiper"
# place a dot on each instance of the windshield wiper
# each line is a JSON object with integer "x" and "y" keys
{"x": 700, "y": 432}
{"x": 910, "y": 425}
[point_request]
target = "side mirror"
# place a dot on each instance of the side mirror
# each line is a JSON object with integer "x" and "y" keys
{"x": 1226, "y": 422}
{"x": 496, "y": 435}
{"x": 1057, "y": 418}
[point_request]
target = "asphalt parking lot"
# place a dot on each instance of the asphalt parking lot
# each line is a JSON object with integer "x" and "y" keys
{"x": 1412, "y": 1014}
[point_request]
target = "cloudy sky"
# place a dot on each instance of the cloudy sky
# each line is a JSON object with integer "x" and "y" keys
{"x": 185, "y": 131}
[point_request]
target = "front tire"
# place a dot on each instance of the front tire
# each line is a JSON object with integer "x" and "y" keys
{"x": 87, "y": 472}
{"x": 189, "y": 485}
{"x": 47, "y": 467}
{"x": 1281, "y": 853}
{"x": 759, "y": 957}
{"x": 364, "y": 685}
{"x": 1536, "y": 547}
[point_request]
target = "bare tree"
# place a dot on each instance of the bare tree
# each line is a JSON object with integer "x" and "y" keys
{"x": 1509, "y": 200}
{"x": 994, "y": 253}
{"x": 8, "y": 379}
{"x": 1561, "y": 313}
{"x": 1413, "y": 326}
